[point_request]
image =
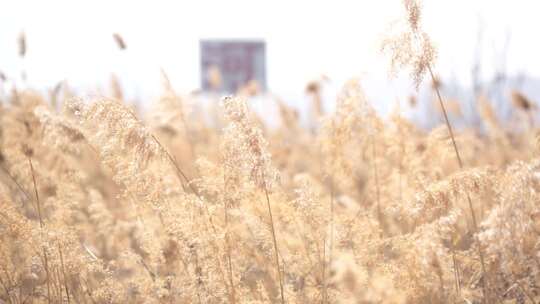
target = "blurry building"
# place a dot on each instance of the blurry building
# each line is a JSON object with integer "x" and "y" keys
{"x": 228, "y": 65}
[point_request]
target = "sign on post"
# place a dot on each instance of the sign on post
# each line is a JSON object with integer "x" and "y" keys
{"x": 227, "y": 65}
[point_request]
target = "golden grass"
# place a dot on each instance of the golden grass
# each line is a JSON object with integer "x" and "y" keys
{"x": 102, "y": 204}
{"x": 141, "y": 209}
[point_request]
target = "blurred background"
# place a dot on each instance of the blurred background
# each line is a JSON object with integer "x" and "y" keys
{"x": 293, "y": 49}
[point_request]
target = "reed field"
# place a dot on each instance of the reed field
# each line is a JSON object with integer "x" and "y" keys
{"x": 101, "y": 202}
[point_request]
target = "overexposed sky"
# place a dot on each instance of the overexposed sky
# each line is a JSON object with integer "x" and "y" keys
{"x": 71, "y": 39}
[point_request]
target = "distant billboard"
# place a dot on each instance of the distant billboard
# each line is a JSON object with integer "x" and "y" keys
{"x": 227, "y": 65}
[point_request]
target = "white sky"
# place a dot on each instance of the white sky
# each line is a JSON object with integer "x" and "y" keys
{"x": 72, "y": 39}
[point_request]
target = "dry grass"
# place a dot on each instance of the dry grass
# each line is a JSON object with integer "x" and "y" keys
{"x": 102, "y": 204}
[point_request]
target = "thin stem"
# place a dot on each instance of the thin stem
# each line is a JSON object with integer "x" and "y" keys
{"x": 325, "y": 293}
{"x": 447, "y": 121}
{"x": 275, "y": 242}
{"x": 228, "y": 244}
{"x": 179, "y": 171}
{"x": 377, "y": 187}
{"x": 87, "y": 290}
{"x": 36, "y": 192}
{"x": 331, "y": 221}
{"x": 460, "y": 162}
{"x": 57, "y": 283}
{"x": 168, "y": 86}
{"x": 47, "y": 273}
{"x": 331, "y": 246}
{"x": 197, "y": 273}
{"x": 456, "y": 270}
{"x": 40, "y": 226}
{"x": 147, "y": 268}
{"x": 16, "y": 182}
{"x": 64, "y": 273}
